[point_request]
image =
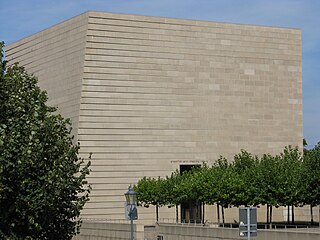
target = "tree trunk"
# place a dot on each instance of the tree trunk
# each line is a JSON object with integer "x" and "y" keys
{"x": 218, "y": 214}
{"x": 267, "y": 213}
{"x": 177, "y": 215}
{"x": 288, "y": 214}
{"x": 157, "y": 212}
{"x": 292, "y": 215}
{"x": 222, "y": 210}
{"x": 203, "y": 205}
{"x": 270, "y": 221}
{"x": 311, "y": 213}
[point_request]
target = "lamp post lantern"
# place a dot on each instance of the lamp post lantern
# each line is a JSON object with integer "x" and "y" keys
{"x": 131, "y": 208}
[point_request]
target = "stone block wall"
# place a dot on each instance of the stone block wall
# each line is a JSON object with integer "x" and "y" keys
{"x": 108, "y": 231}
{"x": 148, "y": 94}
{"x": 112, "y": 231}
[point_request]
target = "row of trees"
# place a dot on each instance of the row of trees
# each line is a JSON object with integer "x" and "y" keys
{"x": 287, "y": 179}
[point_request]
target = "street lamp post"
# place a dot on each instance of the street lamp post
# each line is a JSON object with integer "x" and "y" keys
{"x": 131, "y": 208}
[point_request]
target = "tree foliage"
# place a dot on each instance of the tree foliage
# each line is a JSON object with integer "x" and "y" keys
{"x": 42, "y": 179}
{"x": 286, "y": 179}
{"x": 311, "y": 176}
{"x": 289, "y": 170}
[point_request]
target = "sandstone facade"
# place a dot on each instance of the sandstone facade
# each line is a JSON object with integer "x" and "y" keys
{"x": 147, "y": 94}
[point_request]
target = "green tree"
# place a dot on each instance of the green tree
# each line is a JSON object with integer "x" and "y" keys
{"x": 267, "y": 176}
{"x": 151, "y": 191}
{"x": 229, "y": 186}
{"x": 210, "y": 181}
{"x": 42, "y": 179}
{"x": 288, "y": 191}
{"x": 246, "y": 166}
{"x": 177, "y": 189}
{"x": 311, "y": 178}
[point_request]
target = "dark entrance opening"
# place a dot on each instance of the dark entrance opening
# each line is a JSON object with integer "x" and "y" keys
{"x": 191, "y": 211}
{"x": 187, "y": 168}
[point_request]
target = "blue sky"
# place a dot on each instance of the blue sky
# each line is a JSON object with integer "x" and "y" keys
{"x": 21, "y": 18}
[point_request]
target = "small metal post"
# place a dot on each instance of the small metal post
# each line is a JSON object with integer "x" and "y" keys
{"x": 132, "y": 237}
{"x": 131, "y": 222}
{"x": 248, "y": 223}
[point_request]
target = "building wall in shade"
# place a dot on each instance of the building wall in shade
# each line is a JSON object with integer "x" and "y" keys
{"x": 147, "y": 94}
{"x": 56, "y": 57}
